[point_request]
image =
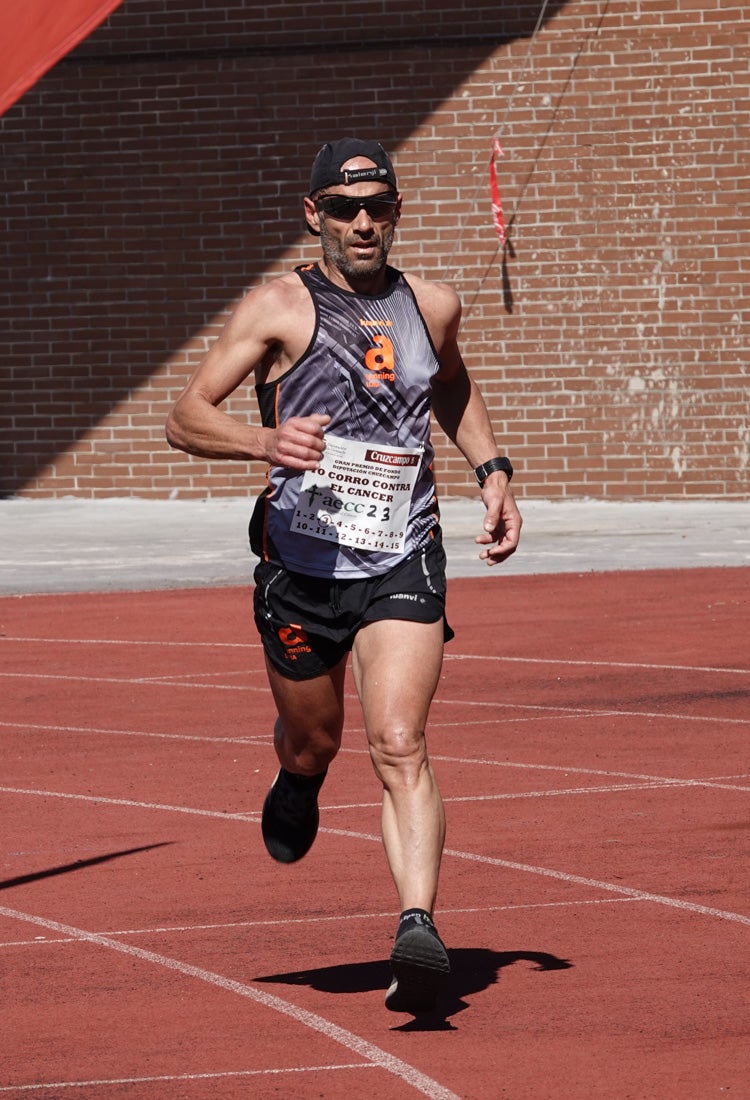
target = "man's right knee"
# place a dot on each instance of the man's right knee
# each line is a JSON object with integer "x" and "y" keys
{"x": 308, "y": 731}
{"x": 312, "y": 735}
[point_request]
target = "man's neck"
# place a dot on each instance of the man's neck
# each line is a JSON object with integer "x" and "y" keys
{"x": 367, "y": 284}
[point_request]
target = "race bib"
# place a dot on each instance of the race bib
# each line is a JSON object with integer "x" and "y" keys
{"x": 359, "y": 495}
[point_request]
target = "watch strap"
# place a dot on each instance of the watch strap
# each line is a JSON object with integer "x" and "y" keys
{"x": 481, "y": 473}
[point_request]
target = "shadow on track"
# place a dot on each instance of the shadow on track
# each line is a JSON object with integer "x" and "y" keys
{"x": 66, "y": 868}
{"x": 473, "y": 969}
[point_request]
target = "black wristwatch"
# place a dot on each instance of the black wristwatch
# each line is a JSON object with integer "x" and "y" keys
{"x": 481, "y": 473}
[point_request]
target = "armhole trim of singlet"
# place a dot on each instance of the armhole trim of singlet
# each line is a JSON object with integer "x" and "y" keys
{"x": 425, "y": 326}
{"x": 264, "y": 388}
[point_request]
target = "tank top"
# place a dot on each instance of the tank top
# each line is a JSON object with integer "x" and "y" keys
{"x": 369, "y": 366}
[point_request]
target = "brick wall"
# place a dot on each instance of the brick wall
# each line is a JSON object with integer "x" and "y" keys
{"x": 155, "y": 174}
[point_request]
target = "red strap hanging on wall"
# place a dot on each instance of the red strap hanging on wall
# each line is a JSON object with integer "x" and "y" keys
{"x": 497, "y": 206}
{"x": 34, "y": 34}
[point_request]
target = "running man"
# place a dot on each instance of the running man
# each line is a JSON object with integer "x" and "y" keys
{"x": 349, "y": 355}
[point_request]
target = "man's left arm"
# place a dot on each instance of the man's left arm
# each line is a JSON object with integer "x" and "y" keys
{"x": 461, "y": 412}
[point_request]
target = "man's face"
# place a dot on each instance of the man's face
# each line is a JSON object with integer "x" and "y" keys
{"x": 359, "y": 248}
{"x": 357, "y": 224}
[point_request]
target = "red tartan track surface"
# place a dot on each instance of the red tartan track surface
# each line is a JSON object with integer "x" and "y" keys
{"x": 590, "y": 737}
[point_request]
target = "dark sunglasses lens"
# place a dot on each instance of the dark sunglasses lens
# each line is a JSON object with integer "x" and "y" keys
{"x": 340, "y": 207}
{"x": 380, "y": 208}
{"x": 346, "y": 209}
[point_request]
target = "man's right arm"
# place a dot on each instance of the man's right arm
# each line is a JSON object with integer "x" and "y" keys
{"x": 196, "y": 424}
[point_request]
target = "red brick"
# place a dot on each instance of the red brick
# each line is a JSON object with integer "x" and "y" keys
{"x": 144, "y": 193}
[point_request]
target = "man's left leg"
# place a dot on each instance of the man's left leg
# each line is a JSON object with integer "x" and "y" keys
{"x": 396, "y": 666}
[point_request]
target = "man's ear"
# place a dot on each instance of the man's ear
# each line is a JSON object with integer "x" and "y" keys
{"x": 312, "y": 217}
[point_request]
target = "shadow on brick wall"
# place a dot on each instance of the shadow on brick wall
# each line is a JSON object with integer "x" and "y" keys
{"x": 157, "y": 172}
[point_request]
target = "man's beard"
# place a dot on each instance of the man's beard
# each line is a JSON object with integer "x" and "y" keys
{"x": 336, "y": 255}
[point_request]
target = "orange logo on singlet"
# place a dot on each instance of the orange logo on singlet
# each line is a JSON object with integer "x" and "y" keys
{"x": 381, "y": 362}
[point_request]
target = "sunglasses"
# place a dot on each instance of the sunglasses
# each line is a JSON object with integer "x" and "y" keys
{"x": 345, "y": 209}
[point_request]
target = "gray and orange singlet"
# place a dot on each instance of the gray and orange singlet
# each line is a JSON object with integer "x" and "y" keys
{"x": 369, "y": 366}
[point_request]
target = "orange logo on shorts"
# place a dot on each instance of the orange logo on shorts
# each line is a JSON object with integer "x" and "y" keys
{"x": 294, "y": 641}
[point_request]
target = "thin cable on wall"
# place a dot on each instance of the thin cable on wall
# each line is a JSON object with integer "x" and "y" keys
{"x": 495, "y": 146}
{"x": 503, "y": 230}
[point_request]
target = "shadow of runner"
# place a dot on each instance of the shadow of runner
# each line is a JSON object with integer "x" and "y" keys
{"x": 473, "y": 969}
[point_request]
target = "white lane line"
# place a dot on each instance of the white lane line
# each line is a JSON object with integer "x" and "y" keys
{"x": 667, "y": 780}
{"x": 175, "y": 677}
{"x": 586, "y": 712}
{"x": 263, "y": 740}
{"x": 564, "y": 876}
{"x": 615, "y": 888}
{"x": 449, "y": 656}
{"x": 351, "y": 834}
{"x": 593, "y": 664}
{"x": 278, "y": 922}
{"x": 553, "y": 793}
{"x": 164, "y": 807}
{"x": 147, "y": 681}
{"x": 570, "y": 769}
{"x": 465, "y": 704}
{"x": 254, "y": 739}
{"x": 351, "y": 1042}
{"x": 241, "y": 1073}
{"x": 666, "y": 784}
{"x": 168, "y": 644}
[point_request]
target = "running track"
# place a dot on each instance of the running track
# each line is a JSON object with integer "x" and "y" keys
{"x": 591, "y": 740}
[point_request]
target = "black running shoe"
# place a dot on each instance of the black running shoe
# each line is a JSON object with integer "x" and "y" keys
{"x": 420, "y": 967}
{"x": 290, "y": 816}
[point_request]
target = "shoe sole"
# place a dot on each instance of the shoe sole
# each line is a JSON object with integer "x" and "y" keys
{"x": 420, "y": 968}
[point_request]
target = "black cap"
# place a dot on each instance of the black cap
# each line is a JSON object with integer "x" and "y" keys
{"x": 326, "y": 169}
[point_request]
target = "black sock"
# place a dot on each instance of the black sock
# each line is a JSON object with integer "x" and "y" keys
{"x": 414, "y": 918}
{"x": 304, "y": 782}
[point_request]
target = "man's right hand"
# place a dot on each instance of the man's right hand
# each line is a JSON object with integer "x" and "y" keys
{"x": 298, "y": 443}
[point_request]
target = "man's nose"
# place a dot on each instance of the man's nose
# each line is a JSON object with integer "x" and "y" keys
{"x": 363, "y": 222}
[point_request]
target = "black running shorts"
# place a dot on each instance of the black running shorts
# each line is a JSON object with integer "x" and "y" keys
{"x": 307, "y": 624}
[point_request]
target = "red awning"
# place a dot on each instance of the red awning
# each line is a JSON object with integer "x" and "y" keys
{"x": 34, "y": 34}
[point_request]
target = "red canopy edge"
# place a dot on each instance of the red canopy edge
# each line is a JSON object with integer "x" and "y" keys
{"x": 34, "y": 34}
